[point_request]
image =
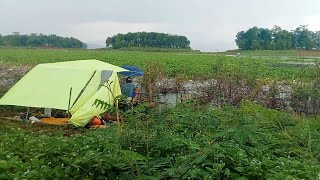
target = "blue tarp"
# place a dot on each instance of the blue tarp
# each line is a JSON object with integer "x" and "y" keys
{"x": 133, "y": 71}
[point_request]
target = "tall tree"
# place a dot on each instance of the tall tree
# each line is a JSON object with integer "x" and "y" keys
{"x": 1, "y": 41}
{"x": 249, "y": 39}
{"x": 316, "y": 39}
{"x": 265, "y": 38}
{"x": 109, "y": 42}
{"x": 253, "y": 38}
{"x": 303, "y": 37}
{"x": 242, "y": 41}
{"x": 282, "y": 39}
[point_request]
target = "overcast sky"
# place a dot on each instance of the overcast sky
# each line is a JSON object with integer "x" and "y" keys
{"x": 211, "y": 25}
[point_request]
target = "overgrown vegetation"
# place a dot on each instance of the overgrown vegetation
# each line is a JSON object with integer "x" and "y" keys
{"x": 190, "y": 65}
{"x": 185, "y": 142}
{"x": 252, "y": 121}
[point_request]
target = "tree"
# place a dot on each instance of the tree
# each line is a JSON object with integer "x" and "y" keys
{"x": 278, "y": 39}
{"x": 242, "y": 41}
{"x": 249, "y": 40}
{"x": 282, "y": 39}
{"x": 40, "y": 40}
{"x": 316, "y": 40}
{"x": 265, "y": 38}
{"x": 303, "y": 37}
{"x": 147, "y": 39}
{"x": 84, "y": 46}
{"x": 1, "y": 41}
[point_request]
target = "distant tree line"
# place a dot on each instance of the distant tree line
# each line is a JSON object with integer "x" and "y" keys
{"x": 147, "y": 39}
{"x": 278, "y": 39}
{"x": 40, "y": 40}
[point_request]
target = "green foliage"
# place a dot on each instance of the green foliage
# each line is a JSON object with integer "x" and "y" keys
{"x": 155, "y": 49}
{"x": 303, "y": 37}
{"x": 147, "y": 39}
{"x": 259, "y": 38}
{"x": 40, "y": 40}
{"x": 254, "y": 38}
{"x": 1, "y": 41}
{"x": 184, "y": 142}
{"x": 190, "y": 65}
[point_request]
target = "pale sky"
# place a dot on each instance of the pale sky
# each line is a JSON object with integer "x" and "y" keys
{"x": 210, "y": 25}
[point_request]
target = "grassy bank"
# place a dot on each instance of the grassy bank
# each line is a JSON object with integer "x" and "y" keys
{"x": 188, "y": 141}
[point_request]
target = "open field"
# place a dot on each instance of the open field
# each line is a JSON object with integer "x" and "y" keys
{"x": 249, "y": 133}
{"x": 189, "y": 65}
{"x": 278, "y": 53}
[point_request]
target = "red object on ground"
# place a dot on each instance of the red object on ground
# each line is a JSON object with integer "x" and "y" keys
{"x": 95, "y": 121}
{"x": 107, "y": 116}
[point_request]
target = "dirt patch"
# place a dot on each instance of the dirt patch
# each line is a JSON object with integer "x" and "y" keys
{"x": 10, "y": 74}
{"x": 66, "y": 131}
{"x": 304, "y": 53}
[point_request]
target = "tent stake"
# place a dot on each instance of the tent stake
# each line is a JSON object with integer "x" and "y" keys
{"x": 28, "y": 110}
{"x": 69, "y": 102}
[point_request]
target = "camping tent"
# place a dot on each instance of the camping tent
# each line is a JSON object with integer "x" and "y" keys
{"x": 86, "y": 88}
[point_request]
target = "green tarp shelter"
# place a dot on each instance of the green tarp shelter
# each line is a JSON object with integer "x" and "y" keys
{"x": 93, "y": 85}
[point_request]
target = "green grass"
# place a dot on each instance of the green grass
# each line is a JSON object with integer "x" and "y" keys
{"x": 189, "y": 141}
{"x": 152, "y": 49}
{"x": 190, "y": 65}
{"x": 185, "y": 142}
{"x": 278, "y": 53}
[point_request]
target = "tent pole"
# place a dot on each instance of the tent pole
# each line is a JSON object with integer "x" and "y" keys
{"x": 28, "y": 110}
{"x": 117, "y": 114}
{"x": 84, "y": 88}
{"x": 69, "y": 102}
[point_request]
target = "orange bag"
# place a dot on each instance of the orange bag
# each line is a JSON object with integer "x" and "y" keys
{"x": 95, "y": 121}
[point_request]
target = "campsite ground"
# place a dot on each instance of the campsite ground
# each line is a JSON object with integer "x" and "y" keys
{"x": 250, "y": 132}
{"x": 40, "y": 129}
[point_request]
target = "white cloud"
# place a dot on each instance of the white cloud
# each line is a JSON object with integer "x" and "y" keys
{"x": 97, "y": 32}
{"x": 312, "y": 22}
{"x": 209, "y": 24}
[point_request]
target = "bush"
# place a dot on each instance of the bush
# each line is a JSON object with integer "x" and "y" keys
{"x": 184, "y": 142}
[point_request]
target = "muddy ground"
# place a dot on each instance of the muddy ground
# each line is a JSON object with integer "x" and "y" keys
{"x": 173, "y": 90}
{"x": 40, "y": 128}
{"x": 10, "y": 74}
